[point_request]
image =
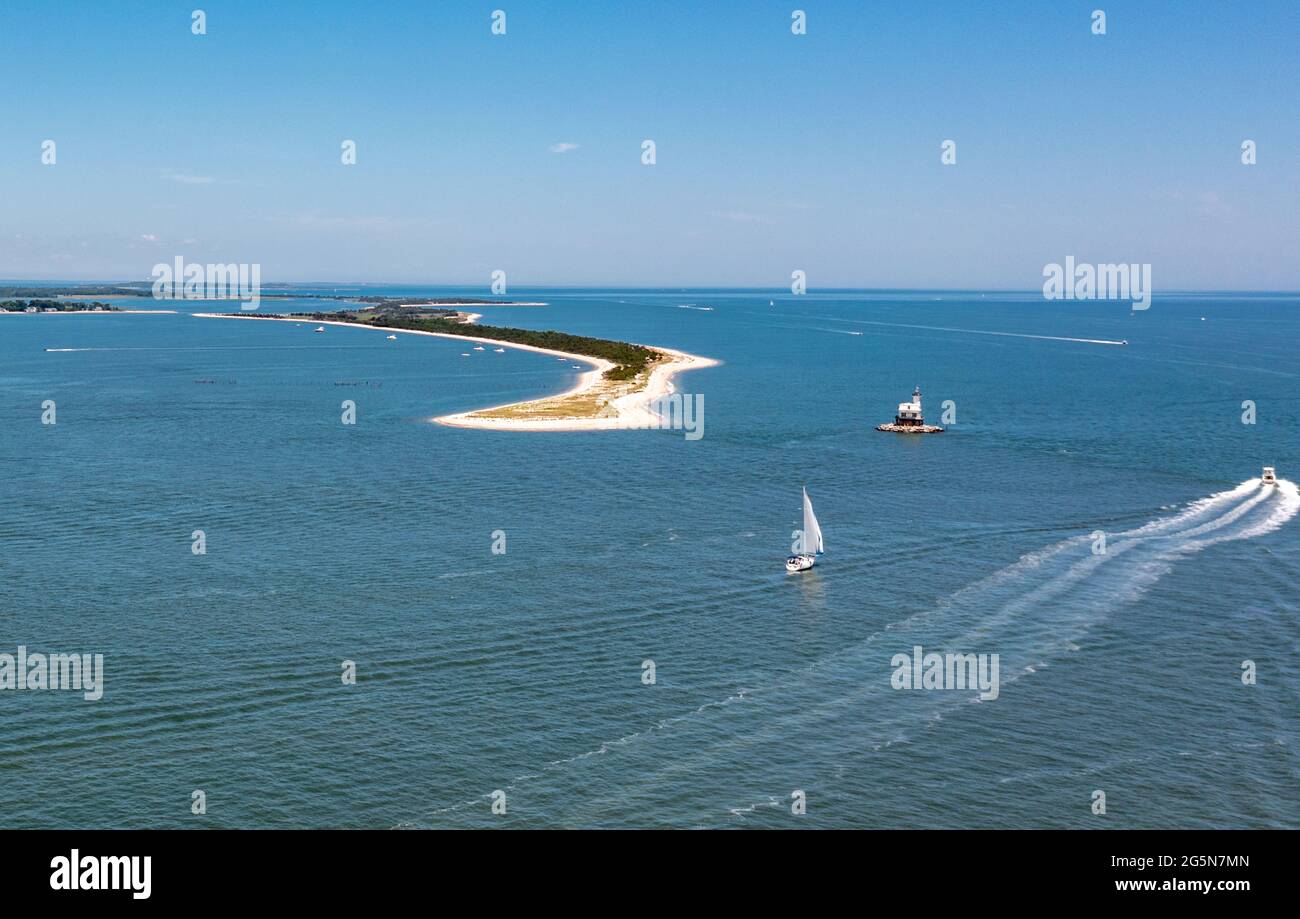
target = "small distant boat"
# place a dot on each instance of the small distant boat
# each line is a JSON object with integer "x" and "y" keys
{"x": 770, "y": 303}
{"x": 810, "y": 540}
{"x": 499, "y": 350}
{"x": 392, "y": 338}
{"x": 479, "y": 348}
{"x": 464, "y": 354}
{"x": 1123, "y": 341}
{"x": 1270, "y": 476}
{"x": 319, "y": 328}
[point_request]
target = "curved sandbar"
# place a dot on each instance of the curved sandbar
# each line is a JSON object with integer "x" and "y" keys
{"x": 594, "y": 404}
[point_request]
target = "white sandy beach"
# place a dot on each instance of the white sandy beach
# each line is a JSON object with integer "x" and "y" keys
{"x": 631, "y": 411}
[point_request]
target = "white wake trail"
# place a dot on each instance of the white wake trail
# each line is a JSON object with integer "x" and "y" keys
{"x": 944, "y": 328}
{"x": 1195, "y": 510}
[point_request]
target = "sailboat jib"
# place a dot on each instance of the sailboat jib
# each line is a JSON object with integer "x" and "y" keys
{"x": 812, "y": 532}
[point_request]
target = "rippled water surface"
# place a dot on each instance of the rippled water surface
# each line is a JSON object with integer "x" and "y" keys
{"x": 523, "y": 672}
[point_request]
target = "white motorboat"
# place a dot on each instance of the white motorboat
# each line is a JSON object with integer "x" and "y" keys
{"x": 392, "y": 338}
{"x": 319, "y": 328}
{"x": 1270, "y": 476}
{"x": 810, "y": 540}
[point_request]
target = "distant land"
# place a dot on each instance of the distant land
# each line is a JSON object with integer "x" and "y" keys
{"x": 56, "y": 306}
{"x": 146, "y": 290}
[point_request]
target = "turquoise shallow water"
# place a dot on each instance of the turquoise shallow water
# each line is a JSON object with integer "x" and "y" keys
{"x": 522, "y": 671}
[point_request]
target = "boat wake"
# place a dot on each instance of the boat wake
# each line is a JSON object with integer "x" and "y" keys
{"x": 1035, "y": 610}
{"x": 943, "y": 328}
{"x": 817, "y": 328}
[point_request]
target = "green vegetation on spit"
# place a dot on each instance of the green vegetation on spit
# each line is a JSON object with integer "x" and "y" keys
{"x": 629, "y": 360}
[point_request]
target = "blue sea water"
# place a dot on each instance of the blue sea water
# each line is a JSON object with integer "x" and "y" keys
{"x": 522, "y": 672}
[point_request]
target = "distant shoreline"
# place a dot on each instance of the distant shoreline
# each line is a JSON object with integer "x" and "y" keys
{"x": 593, "y": 404}
{"x": 89, "y": 313}
{"x": 448, "y": 304}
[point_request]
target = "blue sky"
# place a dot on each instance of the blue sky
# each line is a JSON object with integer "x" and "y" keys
{"x": 818, "y": 152}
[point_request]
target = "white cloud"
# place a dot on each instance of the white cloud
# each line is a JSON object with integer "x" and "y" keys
{"x": 357, "y": 224}
{"x": 562, "y": 147}
{"x": 186, "y": 178}
{"x": 742, "y": 217}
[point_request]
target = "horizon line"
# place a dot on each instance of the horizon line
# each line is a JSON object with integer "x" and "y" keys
{"x": 664, "y": 287}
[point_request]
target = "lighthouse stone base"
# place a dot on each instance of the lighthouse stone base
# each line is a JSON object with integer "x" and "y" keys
{"x": 910, "y": 428}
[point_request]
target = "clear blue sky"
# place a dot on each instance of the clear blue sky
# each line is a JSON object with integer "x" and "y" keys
{"x": 775, "y": 152}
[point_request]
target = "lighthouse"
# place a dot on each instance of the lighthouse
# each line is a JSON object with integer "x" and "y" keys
{"x": 909, "y": 413}
{"x": 909, "y": 419}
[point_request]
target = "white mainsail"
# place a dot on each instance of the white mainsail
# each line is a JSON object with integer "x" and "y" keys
{"x": 812, "y": 533}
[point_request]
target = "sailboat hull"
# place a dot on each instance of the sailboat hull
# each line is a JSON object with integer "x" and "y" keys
{"x": 797, "y": 563}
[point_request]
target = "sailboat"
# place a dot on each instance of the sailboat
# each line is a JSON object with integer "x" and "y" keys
{"x": 810, "y": 540}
